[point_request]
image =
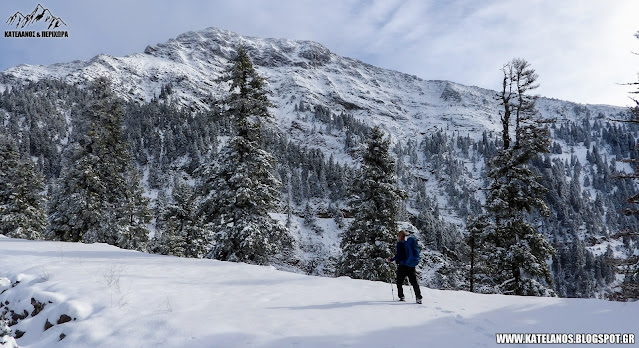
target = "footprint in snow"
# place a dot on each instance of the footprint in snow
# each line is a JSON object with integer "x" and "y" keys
{"x": 460, "y": 320}
{"x": 489, "y": 322}
{"x": 479, "y": 329}
{"x": 443, "y": 311}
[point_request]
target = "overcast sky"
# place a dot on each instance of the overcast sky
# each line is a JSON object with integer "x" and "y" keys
{"x": 581, "y": 49}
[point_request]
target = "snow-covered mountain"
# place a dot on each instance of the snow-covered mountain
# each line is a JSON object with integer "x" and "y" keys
{"x": 302, "y": 73}
{"x": 440, "y": 129}
{"x": 297, "y": 72}
{"x": 77, "y": 295}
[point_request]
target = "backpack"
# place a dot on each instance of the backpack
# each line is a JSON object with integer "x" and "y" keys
{"x": 412, "y": 251}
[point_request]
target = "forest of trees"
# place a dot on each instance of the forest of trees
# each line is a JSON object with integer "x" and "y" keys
{"x": 206, "y": 184}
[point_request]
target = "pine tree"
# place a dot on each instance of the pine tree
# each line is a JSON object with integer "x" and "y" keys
{"x": 183, "y": 233}
{"x": 310, "y": 220}
{"x": 136, "y": 215}
{"x": 98, "y": 198}
{"x": 629, "y": 267}
{"x": 242, "y": 186}
{"x": 75, "y": 205}
{"x": 508, "y": 248}
{"x": 480, "y": 250}
{"x": 21, "y": 203}
{"x": 370, "y": 239}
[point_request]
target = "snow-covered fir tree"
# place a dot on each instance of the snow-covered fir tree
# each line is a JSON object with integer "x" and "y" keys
{"x": 75, "y": 204}
{"x": 22, "y": 212}
{"x": 511, "y": 250}
{"x": 182, "y": 233}
{"x": 375, "y": 198}
{"x": 241, "y": 186}
{"x": 629, "y": 266}
{"x": 136, "y": 215}
{"x": 96, "y": 198}
{"x": 310, "y": 220}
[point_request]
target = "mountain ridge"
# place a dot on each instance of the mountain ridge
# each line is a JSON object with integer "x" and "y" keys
{"x": 194, "y": 60}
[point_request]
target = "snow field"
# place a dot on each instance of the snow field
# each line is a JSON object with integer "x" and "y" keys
{"x": 129, "y": 299}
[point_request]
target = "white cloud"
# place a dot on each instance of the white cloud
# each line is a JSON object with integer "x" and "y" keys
{"x": 579, "y": 48}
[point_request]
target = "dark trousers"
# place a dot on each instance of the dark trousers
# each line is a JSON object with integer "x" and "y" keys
{"x": 404, "y": 271}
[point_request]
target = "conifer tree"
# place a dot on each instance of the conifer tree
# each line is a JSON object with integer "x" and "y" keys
{"x": 170, "y": 241}
{"x": 242, "y": 186}
{"x": 136, "y": 215}
{"x": 183, "y": 233}
{"x": 21, "y": 203}
{"x": 629, "y": 267}
{"x": 97, "y": 198}
{"x": 75, "y": 205}
{"x": 375, "y": 197}
{"x": 507, "y": 245}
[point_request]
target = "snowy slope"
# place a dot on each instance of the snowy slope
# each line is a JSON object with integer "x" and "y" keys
{"x": 119, "y": 298}
{"x": 297, "y": 72}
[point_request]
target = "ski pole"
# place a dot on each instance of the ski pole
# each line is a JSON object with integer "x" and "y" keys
{"x": 390, "y": 281}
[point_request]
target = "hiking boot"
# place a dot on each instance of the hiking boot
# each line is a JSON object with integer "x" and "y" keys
{"x": 419, "y": 300}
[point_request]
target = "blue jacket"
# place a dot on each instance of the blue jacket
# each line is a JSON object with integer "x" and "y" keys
{"x": 400, "y": 253}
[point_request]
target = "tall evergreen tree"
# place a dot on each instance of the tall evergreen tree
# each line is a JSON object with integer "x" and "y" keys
{"x": 242, "y": 186}
{"x": 512, "y": 251}
{"x": 375, "y": 199}
{"x": 97, "y": 199}
{"x": 136, "y": 215}
{"x": 21, "y": 203}
{"x": 75, "y": 206}
{"x": 629, "y": 267}
{"x": 183, "y": 233}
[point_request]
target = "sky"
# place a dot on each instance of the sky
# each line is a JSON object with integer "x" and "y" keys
{"x": 582, "y": 50}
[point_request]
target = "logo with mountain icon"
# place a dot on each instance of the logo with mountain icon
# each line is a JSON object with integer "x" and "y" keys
{"x": 40, "y": 13}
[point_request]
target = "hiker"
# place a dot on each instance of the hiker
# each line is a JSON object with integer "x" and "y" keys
{"x": 407, "y": 258}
